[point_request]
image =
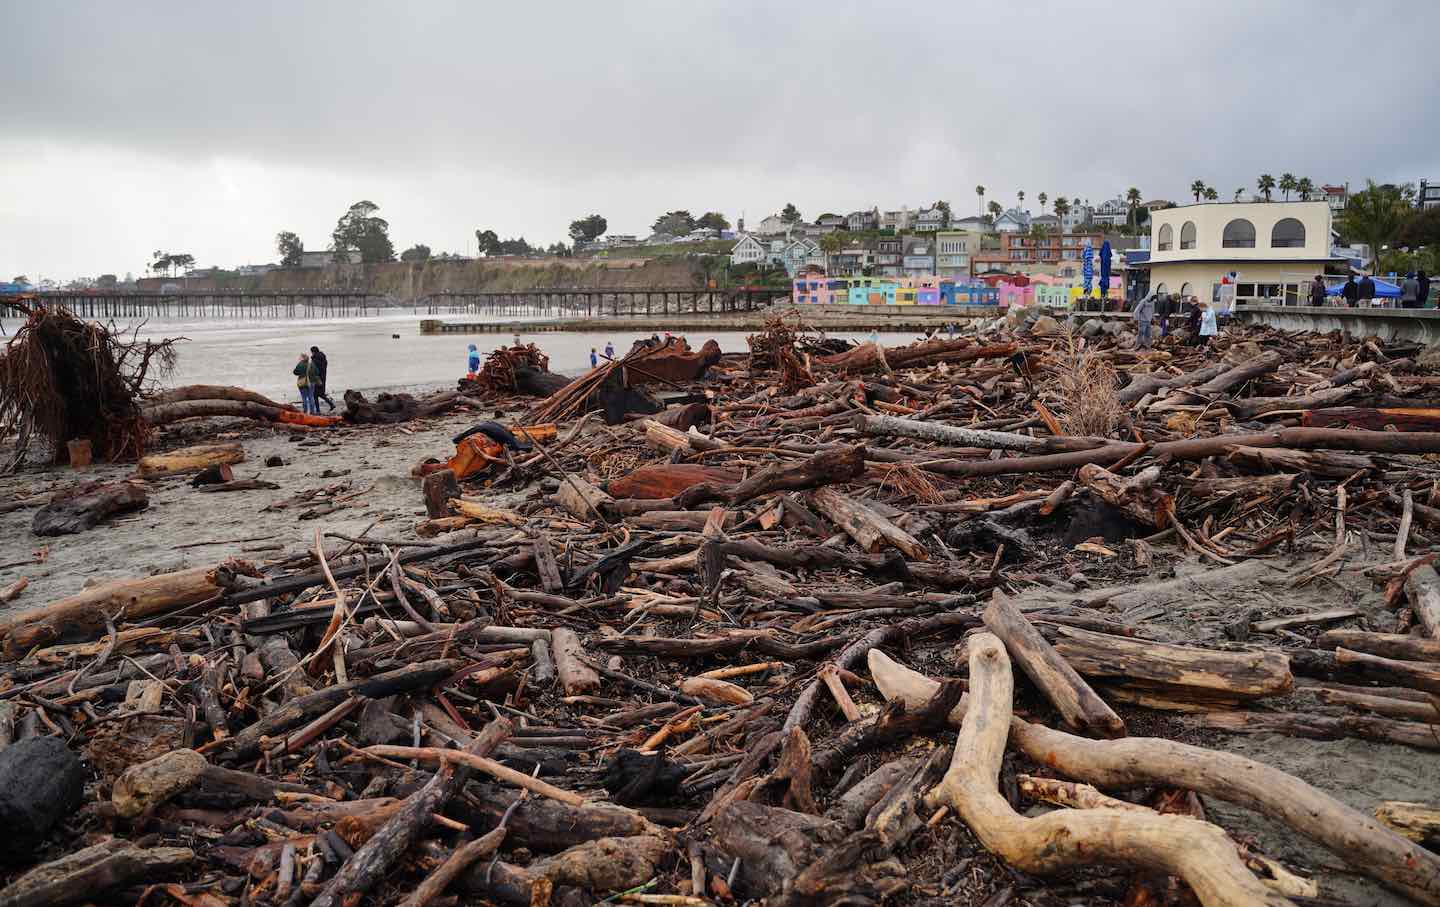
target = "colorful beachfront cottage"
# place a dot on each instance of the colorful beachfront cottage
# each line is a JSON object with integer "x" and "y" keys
{"x": 927, "y": 290}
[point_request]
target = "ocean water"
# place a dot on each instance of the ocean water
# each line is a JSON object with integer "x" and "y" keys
{"x": 364, "y": 354}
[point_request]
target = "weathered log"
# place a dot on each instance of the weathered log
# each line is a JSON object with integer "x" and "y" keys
{"x": 581, "y": 499}
{"x": 1140, "y": 385}
{"x": 959, "y": 436}
{"x": 84, "y": 611}
{"x": 1325, "y": 727}
{"x": 865, "y": 525}
{"x": 1079, "y": 705}
{"x": 1178, "y": 671}
{"x": 676, "y": 520}
{"x": 191, "y": 459}
{"x": 1420, "y": 822}
{"x": 210, "y": 392}
{"x": 145, "y": 786}
{"x": 576, "y": 677}
{"x": 374, "y": 859}
{"x": 438, "y": 488}
{"x": 602, "y": 865}
{"x": 546, "y": 825}
{"x": 839, "y": 465}
{"x": 1245, "y": 486}
{"x": 683, "y": 417}
{"x": 855, "y": 804}
{"x": 1263, "y": 364}
{"x": 416, "y": 676}
{"x": 668, "y": 480}
{"x": 1404, "y": 419}
{"x": 1390, "y": 645}
{"x": 1136, "y": 496}
{"x": 91, "y": 872}
{"x": 85, "y": 506}
{"x": 1251, "y": 407}
{"x": 1417, "y": 675}
{"x": 1197, "y": 852}
{"x": 1316, "y": 462}
{"x": 1422, "y": 587}
{"x": 1409, "y": 710}
{"x": 894, "y": 722}
{"x": 41, "y": 782}
{"x": 716, "y": 692}
{"x": 463, "y": 857}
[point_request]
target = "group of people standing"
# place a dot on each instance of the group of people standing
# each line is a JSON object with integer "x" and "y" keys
{"x": 310, "y": 373}
{"x": 1200, "y": 318}
{"x": 595, "y": 357}
{"x": 1414, "y": 291}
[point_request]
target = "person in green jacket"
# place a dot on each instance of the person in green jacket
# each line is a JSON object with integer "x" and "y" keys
{"x": 305, "y": 380}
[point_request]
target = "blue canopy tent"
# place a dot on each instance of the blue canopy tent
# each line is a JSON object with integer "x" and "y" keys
{"x": 1384, "y": 289}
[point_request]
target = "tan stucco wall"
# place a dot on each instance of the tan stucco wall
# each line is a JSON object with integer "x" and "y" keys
{"x": 1210, "y": 221}
{"x": 1202, "y": 277}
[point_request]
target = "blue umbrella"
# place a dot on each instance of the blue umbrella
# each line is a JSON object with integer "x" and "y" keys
{"x": 1105, "y": 269}
{"x": 1087, "y": 267}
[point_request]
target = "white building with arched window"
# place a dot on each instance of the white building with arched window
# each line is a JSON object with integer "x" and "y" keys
{"x": 1274, "y": 249}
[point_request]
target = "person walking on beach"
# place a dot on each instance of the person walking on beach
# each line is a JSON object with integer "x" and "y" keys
{"x": 594, "y": 358}
{"x": 321, "y": 364}
{"x": 1208, "y": 326}
{"x": 304, "y": 375}
{"x": 1350, "y": 292}
{"x": 1410, "y": 292}
{"x": 1367, "y": 291}
{"x": 1192, "y": 321}
{"x": 609, "y": 350}
{"x": 1143, "y": 315}
{"x": 1424, "y": 280}
{"x": 474, "y": 360}
{"x": 1317, "y": 291}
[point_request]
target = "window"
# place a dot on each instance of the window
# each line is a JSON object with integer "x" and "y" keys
{"x": 1185, "y": 289}
{"x": 1239, "y": 234}
{"x": 1167, "y": 239}
{"x": 1187, "y": 235}
{"x": 1162, "y": 290}
{"x": 1288, "y": 233}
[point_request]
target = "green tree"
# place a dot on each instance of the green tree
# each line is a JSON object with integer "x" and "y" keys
{"x": 1132, "y": 201}
{"x": 1210, "y": 194}
{"x": 995, "y": 210}
{"x": 1374, "y": 216}
{"x": 1287, "y": 184}
{"x": 790, "y": 214}
{"x": 417, "y": 252}
{"x": 1043, "y": 199}
{"x": 980, "y": 197}
{"x": 291, "y": 249}
{"x": 714, "y": 220}
{"x": 676, "y": 223}
{"x": 1305, "y": 188}
{"x": 1239, "y": 192}
{"x": 105, "y": 281}
{"x": 1266, "y": 185}
{"x": 361, "y": 229}
{"x": 487, "y": 242}
{"x": 182, "y": 260}
{"x": 1197, "y": 189}
{"x": 831, "y": 243}
{"x": 1421, "y": 228}
{"x": 559, "y": 250}
{"x": 515, "y": 247}
{"x": 1062, "y": 206}
{"x": 944, "y": 208}
{"x": 162, "y": 262}
{"x": 1021, "y": 195}
{"x": 588, "y": 229}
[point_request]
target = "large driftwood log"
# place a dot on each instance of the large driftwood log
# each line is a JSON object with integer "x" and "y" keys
{"x": 1356, "y": 838}
{"x": 210, "y": 392}
{"x": 1422, "y": 587}
{"x": 829, "y": 466}
{"x": 190, "y": 459}
{"x": 667, "y": 480}
{"x": 1417, "y": 675}
{"x": 1080, "y": 706}
{"x": 1250, "y": 407}
{"x": 869, "y": 529}
{"x": 1390, "y": 645}
{"x": 576, "y": 677}
{"x": 1419, "y": 822}
{"x": 1316, "y": 462}
{"x": 1136, "y": 496}
{"x": 1178, "y": 671}
{"x": 1197, "y": 852}
{"x": 1267, "y": 362}
{"x": 1325, "y": 727}
{"x": 1140, "y": 385}
{"x": 958, "y": 436}
{"x": 1403, "y": 418}
{"x": 85, "y": 506}
{"x": 87, "y": 874}
{"x": 377, "y": 855}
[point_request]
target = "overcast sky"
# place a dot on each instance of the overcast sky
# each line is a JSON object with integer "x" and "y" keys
{"x": 207, "y": 127}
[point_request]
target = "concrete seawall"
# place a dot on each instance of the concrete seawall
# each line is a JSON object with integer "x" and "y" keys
{"x": 1414, "y": 325}
{"x": 824, "y": 317}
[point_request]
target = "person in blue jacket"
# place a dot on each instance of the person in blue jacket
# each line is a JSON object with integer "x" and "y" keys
{"x": 474, "y": 359}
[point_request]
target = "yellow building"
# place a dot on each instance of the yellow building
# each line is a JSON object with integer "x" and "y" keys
{"x": 1269, "y": 251}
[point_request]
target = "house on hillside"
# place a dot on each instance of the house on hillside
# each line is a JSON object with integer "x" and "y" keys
{"x": 799, "y": 254}
{"x": 889, "y": 256}
{"x": 929, "y": 220}
{"x": 1112, "y": 213}
{"x": 1012, "y": 220}
{"x": 918, "y": 256}
{"x": 772, "y": 226}
{"x": 898, "y": 221}
{"x": 831, "y": 222}
{"x": 749, "y": 251}
{"x": 327, "y": 257}
{"x": 976, "y": 223}
{"x": 953, "y": 250}
{"x": 1048, "y": 221}
{"x": 863, "y": 220}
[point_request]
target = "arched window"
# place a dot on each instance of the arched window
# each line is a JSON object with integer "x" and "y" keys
{"x": 1167, "y": 239}
{"x": 1288, "y": 233}
{"x": 1239, "y": 234}
{"x": 1185, "y": 290}
{"x": 1161, "y": 289}
{"x": 1187, "y": 235}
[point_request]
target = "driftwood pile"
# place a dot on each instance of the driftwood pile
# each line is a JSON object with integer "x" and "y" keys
{"x": 518, "y": 369}
{"x": 776, "y": 660}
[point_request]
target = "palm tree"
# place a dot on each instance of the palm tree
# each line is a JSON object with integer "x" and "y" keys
{"x": 1211, "y": 194}
{"x": 1305, "y": 188}
{"x": 830, "y": 243}
{"x": 1287, "y": 184}
{"x": 1021, "y": 196}
{"x": 1043, "y": 198}
{"x": 995, "y": 210}
{"x": 1266, "y": 185}
{"x": 1062, "y": 208}
{"x": 980, "y": 194}
{"x": 1239, "y": 192}
{"x": 1374, "y": 216}
{"x": 1197, "y": 189}
{"x": 1132, "y": 199}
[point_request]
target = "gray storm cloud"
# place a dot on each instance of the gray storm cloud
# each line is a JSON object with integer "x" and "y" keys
{"x": 209, "y": 127}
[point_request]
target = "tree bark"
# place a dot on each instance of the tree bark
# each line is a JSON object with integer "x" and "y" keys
{"x": 87, "y": 874}
{"x": 1416, "y": 675}
{"x": 1197, "y": 852}
{"x": 576, "y": 677}
{"x": 1083, "y": 710}
{"x": 191, "y": 459}
{"x": 1251, "y": 407}
{"x": 1422, "y": 587}
{"x": 438, "y": 488}
{"x": 957, "y": 436}
{"x": 1140, "y": 385}
{"x": 1178, "y": 671}
{"x": 870, "y": 530}
{"x": 1315, "y": 462}
{"x": 85, "y": 506}
{"x": 1264, "y": 364}
{"x": 1325, "y": 727}
{"x": 1405, "y": 419}
{"x": 667, "y": 480}
{"x": 837, "y": 466}
{"x": 1390, "y": 645}
{"x": 1136, "y": 496}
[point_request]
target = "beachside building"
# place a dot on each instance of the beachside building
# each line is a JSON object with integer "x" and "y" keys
{"x": 1077, "y": 218}
{"x": 831, "y": 222}
{"x": 1113, "y": 213}
{"x": 953, "y": 251}
{"x": 1022, "y": 252}
{"x": 800, "y": 253}
{"x": 919, "y": 256}
{"x": 772, "y": 226}
{"x": 863, "y": 220}
{"x": 1269, "y": 251}
{"x": 1429, "y": 194}
{"x": 929, "y": 220}
{"x": 889, "y": 256}
{"x": 1337, "y": 197}
{"x": 975, "y": 223}
{"x": 749, "y": 251}
{"x": 852, "y": 261}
